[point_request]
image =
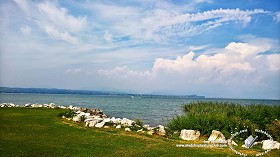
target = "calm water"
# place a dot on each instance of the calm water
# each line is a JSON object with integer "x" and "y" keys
{"x": 152, "y": 110}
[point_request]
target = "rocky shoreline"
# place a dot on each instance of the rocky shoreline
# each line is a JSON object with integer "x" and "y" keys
{"x": 96, "y": 118}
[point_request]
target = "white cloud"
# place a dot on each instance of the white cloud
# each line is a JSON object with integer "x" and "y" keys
{"x": 74, "y": 71}
{"x": 171, "y": 24}
{"x": 55, "y": 34}
{"x": 57, "y": 22}
{"x": 108, "y": 37}
{"x": 164, "y": 21}
{"x": 26, "y": 30}
{"x": 238, "y": 65}
{"x": 277, "y": 16}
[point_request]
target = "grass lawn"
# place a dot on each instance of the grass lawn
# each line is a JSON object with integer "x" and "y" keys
{"x": 39, "y": 132}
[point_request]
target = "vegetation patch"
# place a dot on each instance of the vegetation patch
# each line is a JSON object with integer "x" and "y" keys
{"x": 228, "y": 118}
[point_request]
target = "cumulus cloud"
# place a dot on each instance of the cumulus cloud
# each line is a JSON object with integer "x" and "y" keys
{"x": 237, "y": 65}
{"x": 57, "y": 22}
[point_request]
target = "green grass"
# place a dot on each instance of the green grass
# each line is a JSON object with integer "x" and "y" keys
{"x": 228, "y": 118}
{"x": 40, "y": 132}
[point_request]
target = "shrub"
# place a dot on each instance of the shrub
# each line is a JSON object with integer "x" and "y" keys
{"x": 274, "y": 129}
{"x": 67, "y": 114}
{"x": 139, "y": 122}
{"x": 226, "y": 117}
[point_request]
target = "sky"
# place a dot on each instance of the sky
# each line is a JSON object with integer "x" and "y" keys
{"x": 215, "y": 48}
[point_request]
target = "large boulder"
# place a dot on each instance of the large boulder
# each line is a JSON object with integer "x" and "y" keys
{"x": 269, "y": 144}
{"x": 216, "y": 136}
{"x": 189, "y": 134}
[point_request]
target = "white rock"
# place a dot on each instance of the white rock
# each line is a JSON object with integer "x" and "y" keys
{"x": 150, "y": 132}
{"x": 217, "y": 136}
{"x": 118, "y": 126}
{"x": 88, "y": 119}
{"x": 126, "y": 122}
{"x": 46, "y": 105}
{"x": 98, "y": 119}
{"x": 189, "y": 134}
{"x": 52, "y": 105}
{"x": 234, "y": 143}
{"x": 116, "y": 120}
{"x": 100, "y": 125}
{"x": 92, "y": 123}
{"x": 127, "y": 129}
{"x": 27, "y": 105}
{"x": 106, "y": 120}
{"x": 269, "y": 144}
{"x": 77, "y": 118}
{"x": 161, "y": 130}
{"x": 62, "y": 107}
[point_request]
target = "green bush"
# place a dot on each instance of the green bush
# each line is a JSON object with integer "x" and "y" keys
{"x": 226, "y": 117}
{"x": 67, "y": 114}
{"x": 139, "y": 122}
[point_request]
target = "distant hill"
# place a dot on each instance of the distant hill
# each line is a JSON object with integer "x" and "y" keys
{"x": 54, "y": 91}
{"x": 85, "y": 92}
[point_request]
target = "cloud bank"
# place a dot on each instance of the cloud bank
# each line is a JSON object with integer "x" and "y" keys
{"x": 235, "y": 68}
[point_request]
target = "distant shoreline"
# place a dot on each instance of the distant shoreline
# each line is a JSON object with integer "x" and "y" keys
{"x": 86, "y": 92}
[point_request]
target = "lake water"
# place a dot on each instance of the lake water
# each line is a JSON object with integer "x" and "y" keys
{"x": 152, "y": 110}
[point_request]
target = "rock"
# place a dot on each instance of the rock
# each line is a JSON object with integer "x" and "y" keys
{"x": 161, "y": 130}
{"x": 106, "y": 120}
{"x": 116, "y": 120}
{"x": 269, "y": 144}
{"x": 27, "y": 105}
{"x": 217, "y": 136}
{"x": 234, "y": 143}
{"x": 127, "y": 129}
{"x": 92, "y": 123}
{"x": 98, "y": 119}
{"x": 52, "y": 105}
{"x": 189, "y": 134}
{"x": 118, "y": 126}
{"x": 126, "y": 122}
{"x": 77, "y": 118}
{"x": 106, "y": 127}
{"x": 104, "y": 116}
{"x": 12, "y": 105}
{"x": 88, "y": 119}
{"x": 150, "y": 132}
{"x": 100, "y": 125}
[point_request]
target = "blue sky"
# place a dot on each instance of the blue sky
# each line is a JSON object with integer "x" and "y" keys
{"x": 207, "y": 47}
